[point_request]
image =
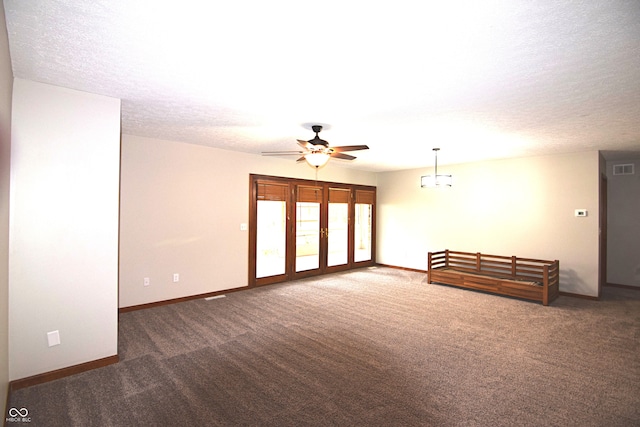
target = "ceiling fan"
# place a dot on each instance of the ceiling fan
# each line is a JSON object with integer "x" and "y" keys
{"x": 317, "y": 151}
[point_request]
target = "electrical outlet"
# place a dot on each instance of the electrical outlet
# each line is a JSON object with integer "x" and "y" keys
{"x": 176, "y": 277}
{"x": 146, "y": 281}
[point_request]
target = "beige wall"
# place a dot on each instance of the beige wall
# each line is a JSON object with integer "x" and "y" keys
{"x": 6, "y": 85}
{"x": 63, "y": 237}
{"x": 182, "y": 206}
{"x": 623, "y": 230}
{"x": 181, "y": 210}
{"x": 522, "y": 207}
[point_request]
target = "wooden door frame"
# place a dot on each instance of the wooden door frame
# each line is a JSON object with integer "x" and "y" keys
{"x": 602, "y": 268}
{"x": 290, "y": 273}
{"x": 291, "y": 243}
{"x": 253, "y": 212}
{"x": 373, "y": 228}
{"x": 350, "y": 225}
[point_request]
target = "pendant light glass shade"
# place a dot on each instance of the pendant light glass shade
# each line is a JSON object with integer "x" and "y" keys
{"x": 431, "y": 181}
{"x": 317, "y": 159}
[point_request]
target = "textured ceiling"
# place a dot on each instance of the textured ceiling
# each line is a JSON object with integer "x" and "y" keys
{"x": 480, "y": 80}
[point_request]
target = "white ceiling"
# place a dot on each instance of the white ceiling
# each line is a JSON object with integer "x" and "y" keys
{"x": 478, "y": 79}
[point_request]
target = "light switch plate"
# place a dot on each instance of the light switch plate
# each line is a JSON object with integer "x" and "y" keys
{"x": 53, "y": 338}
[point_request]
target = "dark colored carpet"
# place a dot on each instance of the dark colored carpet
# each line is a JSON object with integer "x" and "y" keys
{"x": 370, "y": 347}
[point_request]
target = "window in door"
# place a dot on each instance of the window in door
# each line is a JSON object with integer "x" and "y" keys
{"x": 363, "y": 234}
{"x": 271, "y": 230}
{"x": 308, "y": 230}
{"x": 338, "y": 227}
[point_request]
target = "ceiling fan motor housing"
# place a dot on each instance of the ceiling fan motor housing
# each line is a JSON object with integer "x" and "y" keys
{"x": 316, "y": 139}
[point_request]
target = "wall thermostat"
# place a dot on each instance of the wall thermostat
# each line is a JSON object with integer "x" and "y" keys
{"x": 581, "y": 212}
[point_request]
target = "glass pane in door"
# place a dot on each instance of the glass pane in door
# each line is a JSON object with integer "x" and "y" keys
{"x": 362, "y": 236}
{"x": 338, "y": 235}
{"x": 271, "y": 238}
{"x": 307, "y": 236}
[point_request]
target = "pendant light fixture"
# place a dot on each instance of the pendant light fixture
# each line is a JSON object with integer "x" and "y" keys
{"x": 436, "y": 180}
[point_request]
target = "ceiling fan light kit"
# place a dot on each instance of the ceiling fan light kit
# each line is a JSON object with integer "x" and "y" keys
{"x": 317, "y": 152}
{"x": 317, "y": 159}
{"x": 436, "y": 180}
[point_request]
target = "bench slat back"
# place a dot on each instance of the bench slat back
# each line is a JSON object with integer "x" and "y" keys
{"x": 528, "y": 269}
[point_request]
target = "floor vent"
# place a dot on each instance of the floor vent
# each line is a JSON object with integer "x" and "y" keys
{"x": 214, "y": 297}
{"x": 623, "y": 169}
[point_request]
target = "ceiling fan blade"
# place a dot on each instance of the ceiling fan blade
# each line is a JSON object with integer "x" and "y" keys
{"x": 301, "y": 159}
{"x": 305, "y": 144}
{"x": 282, "y": 153}
{"x": 342, "y": 156}
{"x": 349, "y": 148}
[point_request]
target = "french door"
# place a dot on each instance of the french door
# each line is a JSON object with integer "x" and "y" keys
{"x": 301, "y": 228}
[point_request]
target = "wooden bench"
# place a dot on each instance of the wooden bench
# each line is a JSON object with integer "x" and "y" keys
{"x": 531, "y": 279}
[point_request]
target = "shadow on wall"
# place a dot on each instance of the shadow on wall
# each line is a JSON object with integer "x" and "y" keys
{"x": 571, "y": 282}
